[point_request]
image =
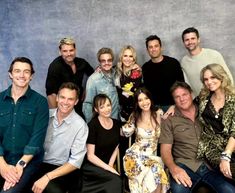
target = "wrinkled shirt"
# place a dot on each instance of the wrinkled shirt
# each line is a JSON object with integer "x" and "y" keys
{"x": 65, "y": 142}
{"x": 99, "y": 83}
{"x": 23, "y": 125}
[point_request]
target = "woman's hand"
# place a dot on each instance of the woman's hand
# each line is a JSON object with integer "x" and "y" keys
{"x": 225, "y": 168}
{"x": 170, "y": 112}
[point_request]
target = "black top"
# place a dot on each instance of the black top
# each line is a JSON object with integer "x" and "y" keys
{"x": 60, "y": 72}
{"x": 213, "y": 118}
{"x": 105, "y": 141}
{"x": 128, "y": 86}
{"x": 159, "y": 77}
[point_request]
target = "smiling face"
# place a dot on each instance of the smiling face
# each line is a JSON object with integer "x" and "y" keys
{"x": 128, "y": 59}
{"x": 154, "y": 49}
{"x": 106, "y": 62}
{"x": 66, "y": 100}
{"x": 68, "y": 53}
{"x": 21, "y": 75}
{"x": 183, "y": 98}
{"x": 144, "y": 102}
{"x": 104, "y": 109}
{"x": 211, "y": 82}
{"x": 191, "y": 41}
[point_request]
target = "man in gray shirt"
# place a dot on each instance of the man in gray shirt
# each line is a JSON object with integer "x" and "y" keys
{"x": 65, "y": 145}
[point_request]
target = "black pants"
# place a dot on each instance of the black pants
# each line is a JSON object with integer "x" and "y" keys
{"x": 70, "y": 183}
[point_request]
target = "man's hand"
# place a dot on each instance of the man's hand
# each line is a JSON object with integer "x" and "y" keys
{"x": 181, "y": 177}
{"x": 40, "y": 184}
{"x": 9, "y": 173}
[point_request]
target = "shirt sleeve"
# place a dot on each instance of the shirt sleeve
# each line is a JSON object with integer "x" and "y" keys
{"x": 166, "y": 136}
{"x": 90, "y": 94}
{"x": 53, "y": 80}
{"x": 39, "y": 129}
{"x": 221, "y": 61}
{"x": 92, "y": 132}
{"x": 129, "y": 128}
{"x": 78, "y": 149}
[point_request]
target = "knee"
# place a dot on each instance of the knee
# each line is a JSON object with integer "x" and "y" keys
{"x": 179, "y": 188}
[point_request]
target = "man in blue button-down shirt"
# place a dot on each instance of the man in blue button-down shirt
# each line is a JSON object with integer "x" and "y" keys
{"x": 65, "y": 145}
{"x": 23, "y": 123}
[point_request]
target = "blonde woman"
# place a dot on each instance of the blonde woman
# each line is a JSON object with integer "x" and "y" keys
{"x": 217, "y": 114}
{"x": 128, "y": 79}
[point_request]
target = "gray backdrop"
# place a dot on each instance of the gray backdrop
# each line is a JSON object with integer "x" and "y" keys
{"x": 33, "y": 28}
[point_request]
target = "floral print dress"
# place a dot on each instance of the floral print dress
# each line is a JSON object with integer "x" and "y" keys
{"x": 144, "y": 169}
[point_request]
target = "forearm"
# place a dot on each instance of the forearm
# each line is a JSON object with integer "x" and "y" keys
{"x": 98, "y": 162}
{"x": 230, "y": 147}
{"x": 114, "y": 156}
{"x": 52, "y": 101}
{"x": 61, "y": 171}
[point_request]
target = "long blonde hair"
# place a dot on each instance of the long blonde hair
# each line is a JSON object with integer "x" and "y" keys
{"x": 120, "y": 64}
{"x": 220, "y": 74}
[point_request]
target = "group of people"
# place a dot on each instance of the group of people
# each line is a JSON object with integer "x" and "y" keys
{"x": 69, "y": 142}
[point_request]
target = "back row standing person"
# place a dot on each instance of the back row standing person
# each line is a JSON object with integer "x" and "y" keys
{"x": 102, "y": 82}
{"x": 160, "y": 72}
{"x": 198, "y": 58}
{"x": 128, "y": 79}
{"x": 67, "y": 68}
{"x": 23, "y": 123}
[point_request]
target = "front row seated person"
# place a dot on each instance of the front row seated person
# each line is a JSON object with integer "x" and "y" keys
{"x": 65, "y": 145}
{"x": 179, "y": 141}
{"x": 144, "y": 169}
{"x": 23, "y": 122}
{"x": 98, "y": 170}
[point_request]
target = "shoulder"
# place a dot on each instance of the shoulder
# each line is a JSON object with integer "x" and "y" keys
{"x": 146, "y": 64}
{"x": 37, "y": 96}
{"x": 210, "y": 51}
{"x": 57, "y": 61}
{"x": 170, "y": 59}
{"x": 81, "y": 62}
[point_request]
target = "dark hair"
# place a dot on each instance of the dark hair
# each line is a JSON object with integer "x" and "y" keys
{"x": 24, "y": 60}
{"x": 99, "y": 100}
{"x": 190, "y": 30}
{"x": 179, "y": 84}
{"x": 137, "y": 111}
{"x": 70, "y": 86}
{"x": 152, "y": 37}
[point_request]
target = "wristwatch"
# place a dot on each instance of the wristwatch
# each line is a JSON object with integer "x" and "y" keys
{"x": 22, "y": 163}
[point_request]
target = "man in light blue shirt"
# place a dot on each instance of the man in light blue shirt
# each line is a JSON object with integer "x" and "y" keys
{"x": 102, "y": 82}
{"x": 65, "y": 145}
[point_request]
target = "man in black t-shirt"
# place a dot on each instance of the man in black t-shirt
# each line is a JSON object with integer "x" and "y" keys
{"x": 160, "y": 72}
{"x": 67, "y": 68}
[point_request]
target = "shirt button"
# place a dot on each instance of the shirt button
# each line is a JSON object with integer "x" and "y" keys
{"x": 14, "y": 125}
{"x": 14, "y": 113}
{"x": 13, "y": 137}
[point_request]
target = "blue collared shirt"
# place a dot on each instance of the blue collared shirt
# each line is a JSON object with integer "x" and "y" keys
{"x": 65, "y": 142}
{"x": 98, "y": 83}
{"x": 23, "y": 125}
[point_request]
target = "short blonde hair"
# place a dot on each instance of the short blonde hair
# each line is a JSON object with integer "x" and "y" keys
{"x": 67, "y": 41}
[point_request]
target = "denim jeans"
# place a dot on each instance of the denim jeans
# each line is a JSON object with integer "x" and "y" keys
{"x": 212, "y": 178}
{"x": 26, "y": 180}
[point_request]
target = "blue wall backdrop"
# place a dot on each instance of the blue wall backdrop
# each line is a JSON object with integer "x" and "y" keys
{"x": 33, "y": 28}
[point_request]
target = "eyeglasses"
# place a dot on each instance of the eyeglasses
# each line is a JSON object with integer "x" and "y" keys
{"x": 106, "y": 61}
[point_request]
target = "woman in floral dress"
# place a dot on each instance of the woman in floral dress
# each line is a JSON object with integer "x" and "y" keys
{"x": 144, "y": 169}
{"x": 128, "y": 79}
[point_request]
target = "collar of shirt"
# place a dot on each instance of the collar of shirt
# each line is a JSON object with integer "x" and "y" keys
{"x": 8, "y": 93}
{"x": 68, "y": 119}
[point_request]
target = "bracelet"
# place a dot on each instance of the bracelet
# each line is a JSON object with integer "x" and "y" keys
{"x": 225, "y": 154}
{"x": 225, "y": 158}
{"x": 47, "y": 177}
